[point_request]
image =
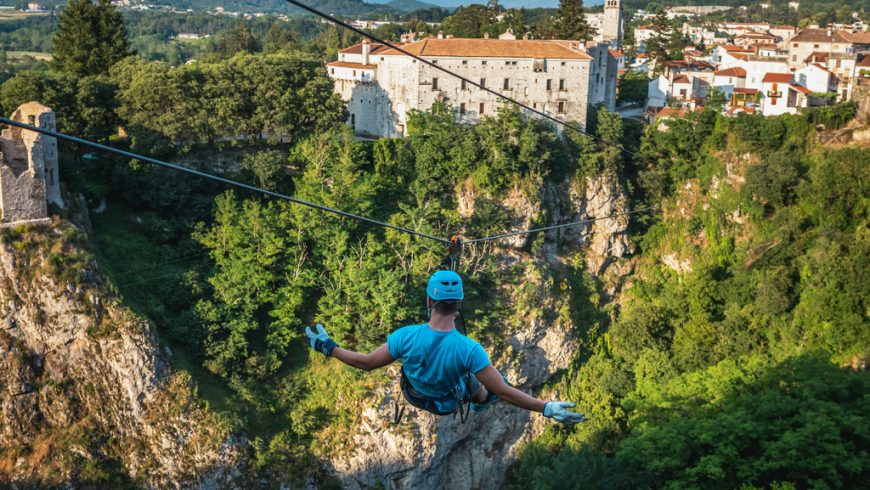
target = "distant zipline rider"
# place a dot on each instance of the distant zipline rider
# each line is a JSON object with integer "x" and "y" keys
{"x": 441, "y": 368}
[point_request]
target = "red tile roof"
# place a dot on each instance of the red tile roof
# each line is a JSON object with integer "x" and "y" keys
{"x": 830, "y": 36}
{"x": 677, "y": 111}
{"x": 347, "y": 64}
{"x": 864, "y": 61}
{"x": 800, "y": 88}
{"x": 616, "y": 54}
{"x": 737, "y": 110}
{"x": 376, "y": 48}
{"x": 731, "y": 72}
{"x": 494, "y": 48}
{"x": 681, "y": 79}
{"x": 694, "y": 65}
{"x": 776, "y": 78}
{"x": 816, "y": 56}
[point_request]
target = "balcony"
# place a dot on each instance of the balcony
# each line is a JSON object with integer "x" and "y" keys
{"x": 774, "y": 93}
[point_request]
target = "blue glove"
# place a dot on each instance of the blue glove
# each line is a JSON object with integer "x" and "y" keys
{"x": 320, "y": 341}
{"x": 560, "y": 412}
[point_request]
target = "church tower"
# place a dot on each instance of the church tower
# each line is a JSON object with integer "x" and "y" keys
{"x": 611, "y": 27}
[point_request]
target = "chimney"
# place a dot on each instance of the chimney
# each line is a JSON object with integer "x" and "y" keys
{"x": 486, "y": 35}
{"x": 366, "y": 51}
{"x": 440, "y": 34}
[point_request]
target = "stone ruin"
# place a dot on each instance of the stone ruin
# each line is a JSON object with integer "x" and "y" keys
{"x": 29, "y": 177}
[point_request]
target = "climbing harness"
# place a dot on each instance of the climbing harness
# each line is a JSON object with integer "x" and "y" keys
{"x": 454, "y": 252}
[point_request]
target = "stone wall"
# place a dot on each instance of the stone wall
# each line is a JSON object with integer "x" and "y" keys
{"x": 29, "y": 175}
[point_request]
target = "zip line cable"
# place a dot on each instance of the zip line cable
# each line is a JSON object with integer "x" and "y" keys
{"x": 455, "y": 243}
{"x": 553, "y": 227}
{"x": 190, "y": 171}
{"x": 543, "y": 114}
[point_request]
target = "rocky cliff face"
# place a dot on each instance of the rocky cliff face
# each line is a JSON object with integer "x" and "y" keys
{"x": 426, "y": 451}
{"x": 85, "y": 396}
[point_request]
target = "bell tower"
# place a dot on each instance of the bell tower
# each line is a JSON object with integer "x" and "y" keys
{"x": 611, "y": 28}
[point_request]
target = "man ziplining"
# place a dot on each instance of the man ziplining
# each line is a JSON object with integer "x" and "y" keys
{"x": 442, "y": 368}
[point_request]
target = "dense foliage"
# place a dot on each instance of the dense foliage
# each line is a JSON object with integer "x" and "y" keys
{"x": 720, "y": 365}
{"x": 721, "y": 368}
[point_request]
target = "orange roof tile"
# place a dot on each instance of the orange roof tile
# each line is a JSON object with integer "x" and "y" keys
{"x": 800, "y": 88}
{"x": 731, "y": 72}
{"x": 615, "y": 53}
{"x": 376, "y": 48}
{"x": 494, "y": 48}
{"x": 682, "y": 79}
{"x": 776, "y": 78}
{"x": 347, "y": 64}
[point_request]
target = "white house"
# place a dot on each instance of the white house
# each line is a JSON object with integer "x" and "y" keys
{"x": 728, "y": 79}
{"x": 780, "y": 96}
{"x": 382, "y": 86}
{"x": 816, "y": 78}
{"x": 658, "y": 92}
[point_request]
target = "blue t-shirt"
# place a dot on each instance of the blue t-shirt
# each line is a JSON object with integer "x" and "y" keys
{"x": 435, "y": 362}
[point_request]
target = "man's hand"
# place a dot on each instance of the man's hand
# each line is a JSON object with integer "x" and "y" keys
{"x": 320, "y": 341}
{"x": 560, "y": 412}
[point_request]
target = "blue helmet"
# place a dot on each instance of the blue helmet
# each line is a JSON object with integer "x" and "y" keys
{"x": 445, "y": 285}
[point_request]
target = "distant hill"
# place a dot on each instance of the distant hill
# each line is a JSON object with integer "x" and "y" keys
{"x": 409, "y": 5}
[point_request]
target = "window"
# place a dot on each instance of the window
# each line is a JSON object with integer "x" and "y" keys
{"x": 332, "y": 71}
{"x": 434, "y": 84}
{"x": 561, "y": 84}
{"x": 354, "y": 73}
{"x": 480, "y": 111}
{"x": 549, "y": 84}
{"x": 464, "y": 62}
{"x": 794, "y": 57}
{"x": 483, "y": 62}
{"x": 483, "y": 82}
{"x": 353, "y": 121}
{"x": 815, "y": 46}
{"x": 561, "y": 107}
{"x": 462, "y": 85}
{"x": 563, "y": 63}
{"x": 462, "y": 109}
{"x": 507, "y": 84}
{"x": 794, "y": 45}
{"x": 507, "y": 63}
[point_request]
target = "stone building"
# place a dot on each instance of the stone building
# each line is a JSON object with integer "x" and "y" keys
{"x": 382, "y": 86}
{"x": 611, "y": 28}
{"x": 29, "y": 177}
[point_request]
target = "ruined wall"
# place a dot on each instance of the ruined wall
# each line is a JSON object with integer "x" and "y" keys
{"x": 29, "y": 176}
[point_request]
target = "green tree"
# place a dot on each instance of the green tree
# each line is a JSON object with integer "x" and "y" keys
{"x": 570, "y": 23}
{"x": 633, "y": 88}
{"x": 659, "y": 45}
{"x": 279, "y": 38}
{"x": 239, "y": 39}
{"x": 90, "y": 38}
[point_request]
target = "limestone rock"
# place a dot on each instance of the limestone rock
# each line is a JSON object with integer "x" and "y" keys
{"x": 82, "y": 378}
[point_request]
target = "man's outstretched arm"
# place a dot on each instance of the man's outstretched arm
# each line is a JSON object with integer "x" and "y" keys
{"x": 379, "y": 357}
{"x": 494, "y": 383}
{"x": 321, "y": 342}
